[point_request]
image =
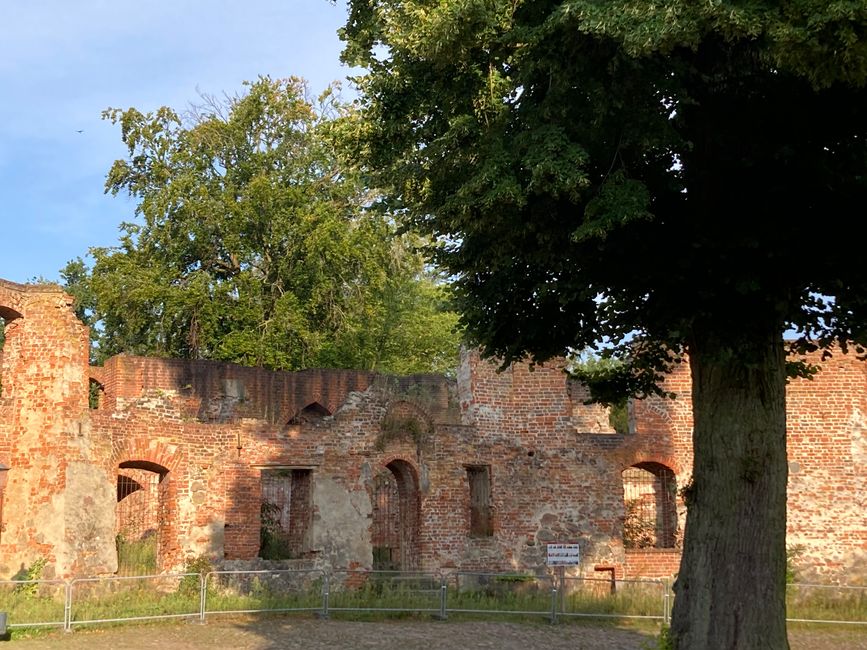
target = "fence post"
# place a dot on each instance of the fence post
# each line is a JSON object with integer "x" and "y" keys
{"x": 666, "y": 602}
{"x": 553, "y": 605}
{"x": 443, "y": 596}
{"x": 67, "y": 608}
{"x": 326, "y": 588}
{"x": 203, "y": 595}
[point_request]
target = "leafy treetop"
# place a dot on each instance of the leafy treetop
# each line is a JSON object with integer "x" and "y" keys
{"x": 251, "y": 245}
{"x": 626, "y": 172}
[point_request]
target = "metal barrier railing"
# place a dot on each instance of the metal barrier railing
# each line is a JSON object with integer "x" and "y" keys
{"x": 34, "y": 603}
{"x": 139, "y": 598}
{"x": 804, "y": 601}
{"x": 383, "y": 591}
{"x": 247, "y": 592}
{"x": 606, "y": 598}
{"x": 500, "y": 593}
{"x": 90, "y": 601}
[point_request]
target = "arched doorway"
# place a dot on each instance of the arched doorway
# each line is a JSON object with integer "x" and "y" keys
{"x": 650, "y": 503}
{"x": 143, "y": 516}
{"x": 396, "y": 518}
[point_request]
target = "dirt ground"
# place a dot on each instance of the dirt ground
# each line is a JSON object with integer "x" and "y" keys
{"x": 311, "y": 634}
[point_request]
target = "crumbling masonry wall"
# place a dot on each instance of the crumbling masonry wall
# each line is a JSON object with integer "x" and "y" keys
{"x": 479, "y": 472}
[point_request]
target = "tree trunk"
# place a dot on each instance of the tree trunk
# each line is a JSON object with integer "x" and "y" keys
{"x": 730, "y": 592}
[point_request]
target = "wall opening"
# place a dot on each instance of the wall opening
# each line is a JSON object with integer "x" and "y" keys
{"x": 286, "y": 513}
{"x": 650, "y": 504}
{"x": 313, "y": 412}
{"x": 9, "y": 328}
{"x": 396, "y": 517}
{"x": 2, "y": 341}
{"x": 95, "y": 394}
{"x": 481, "y": 519}
{"x": 142, "y": 517}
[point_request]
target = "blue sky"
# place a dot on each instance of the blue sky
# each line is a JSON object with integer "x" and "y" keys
{"x": 62, "y": 63}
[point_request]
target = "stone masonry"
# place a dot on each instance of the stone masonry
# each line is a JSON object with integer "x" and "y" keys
{"x": 364, "y": 470}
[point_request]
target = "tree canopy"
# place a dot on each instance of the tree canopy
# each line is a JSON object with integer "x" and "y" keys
{"x": 252, "y": 245}
{"x": 657, "y": 177}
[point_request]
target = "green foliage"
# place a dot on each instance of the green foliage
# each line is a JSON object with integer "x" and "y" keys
{"x": 638, "y": 531}
{"x": 251, "y": 244}
{"x": 273, "y": 540}
{"x": 396, "y": 427}
{"x": 793, "y": 552}
{"x": 33, "y": 572}
{"x": 575, "y": 161}
{"x": 662, "y": 642}
{"x": 198, "y": 568}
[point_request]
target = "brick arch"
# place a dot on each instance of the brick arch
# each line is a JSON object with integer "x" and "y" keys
{"x": 12, "y": 300}
{"x": 650, "y": 506}
{"x": 645, "y": 457}
{"x": 313, "y": 411}
{"x": 141, "y": 449}
{"x": 404, "y": 421}
{"x": 410, "y": 408}
{"x": 11, "y": 310}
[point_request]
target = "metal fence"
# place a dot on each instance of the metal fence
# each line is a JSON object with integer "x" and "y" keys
{"x": 606, "y": 598}
{"x": 500, "y": 593}
{"x": 133, "y": 598}
{"x": 829, "y": 604}
{"x": 247, "y": 592}
{"x": 94, "y": 601}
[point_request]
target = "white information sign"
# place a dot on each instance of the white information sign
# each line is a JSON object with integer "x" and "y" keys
{"x": 563, "y": 555}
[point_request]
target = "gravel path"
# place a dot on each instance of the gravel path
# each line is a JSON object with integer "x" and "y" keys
{"x": 273, "y": 633}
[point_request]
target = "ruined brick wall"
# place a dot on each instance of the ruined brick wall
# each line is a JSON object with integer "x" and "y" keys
{"x": 827, "y": 450}
{"x": 485, "y": 470}
{"x": 58, "y": 503}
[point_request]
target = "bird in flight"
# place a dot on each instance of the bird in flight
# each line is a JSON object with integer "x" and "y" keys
{"x": 80, "y": 131}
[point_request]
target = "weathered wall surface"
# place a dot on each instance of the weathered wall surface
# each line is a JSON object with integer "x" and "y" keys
{"x": 418, "y": 472}
{"x": 827, "y": 450}
{"x": 58, "y": 502}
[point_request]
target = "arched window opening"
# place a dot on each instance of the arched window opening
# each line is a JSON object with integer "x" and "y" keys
{"x": 396, "y": 516}
{"x": 313, "y": 412}
{"x": 142, "y": 517}
{"x": 649, "y": 499}
{"x": 8, "y": 348}
{"x": 95, "y": 394}
{"x": 2, "y": 341}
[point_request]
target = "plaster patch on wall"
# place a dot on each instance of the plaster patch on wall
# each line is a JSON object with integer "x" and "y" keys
{"x": 341, "y": 530}
{"x": 88, "y": 547}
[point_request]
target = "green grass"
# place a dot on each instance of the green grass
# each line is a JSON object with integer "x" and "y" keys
{"x": 629, "y": 599}
{"x": 501, "y": 597}
{"x": 133, "y": 598}
{"x": 136, "y": 557}
{"x": 826, "y": 603}
{"x": 264, "y": 591}
{"x": 38, "y": 603}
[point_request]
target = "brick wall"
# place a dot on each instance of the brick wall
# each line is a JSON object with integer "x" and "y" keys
{"x": 209, "y": 430}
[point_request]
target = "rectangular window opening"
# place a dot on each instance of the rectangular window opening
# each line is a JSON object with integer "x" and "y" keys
{"x": 481, "y": 512}
{"x": 286, "y": 513}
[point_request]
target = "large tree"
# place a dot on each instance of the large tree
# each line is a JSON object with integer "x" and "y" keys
{"x": 252, "y": 245}
{"x": 663, "y": 178}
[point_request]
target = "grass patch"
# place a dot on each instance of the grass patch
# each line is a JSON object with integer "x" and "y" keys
{"x": 122, "y": 598}
{"x": 826, "y": 603}
{"x": 136, "y": 557}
